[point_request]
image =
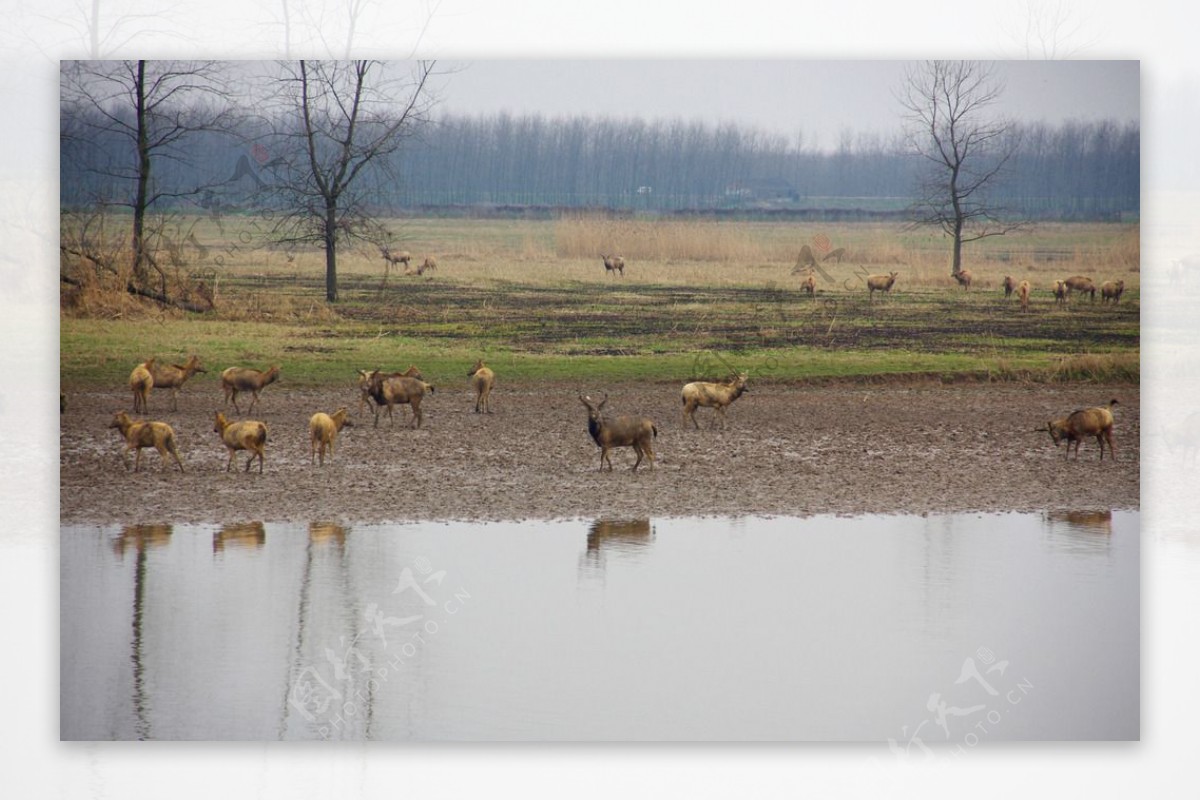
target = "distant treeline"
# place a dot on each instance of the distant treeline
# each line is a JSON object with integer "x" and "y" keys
{"x": 1073, "y": 171}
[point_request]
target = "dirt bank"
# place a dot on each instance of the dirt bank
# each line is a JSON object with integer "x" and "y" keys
{"x": 918, "y": 448}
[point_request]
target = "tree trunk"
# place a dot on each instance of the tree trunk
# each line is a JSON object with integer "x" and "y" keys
{"x": 331, "y": 290}
{"x": 143, "y": 178}
{"x": 956, "y": 260}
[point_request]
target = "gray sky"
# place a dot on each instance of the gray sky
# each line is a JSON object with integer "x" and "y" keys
{"x": 819, "y": 98}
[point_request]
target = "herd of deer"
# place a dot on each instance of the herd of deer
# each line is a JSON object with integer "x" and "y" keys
{"x": 807, "y": 263}
{"x": 385, "y": 391}
{"x": 429, "y": 265}
{"x": 380, "y": 391}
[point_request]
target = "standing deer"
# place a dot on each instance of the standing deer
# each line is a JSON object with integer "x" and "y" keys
{"x": 482, "y": 379}
{"x": 399, "y": 257}
{"x": 716, "y": 395}
{"x": 625, "y": 431}
{"x": 613, "y": 264}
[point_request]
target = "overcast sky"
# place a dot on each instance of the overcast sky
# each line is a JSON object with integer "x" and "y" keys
{"x": 818, "y": 98}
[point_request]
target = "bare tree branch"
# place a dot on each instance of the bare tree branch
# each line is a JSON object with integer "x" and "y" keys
{"x": 338, "y": 123}
{"x": 947, "y": 105}
{"x": 154, "y": 107}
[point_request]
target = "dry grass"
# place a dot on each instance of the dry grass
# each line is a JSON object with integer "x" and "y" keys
{"x": 667, "y": 241}
{"x": 1107, "y": 367}
{"x": 254, "y": 279}
{"x": 1041, "y": 254}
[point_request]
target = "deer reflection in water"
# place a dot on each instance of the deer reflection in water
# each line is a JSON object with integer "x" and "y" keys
{"x": 140, "y": 537}
{"x": 615, "y": 536}
{"x": 1085, "y": 522}
{"x": 241, "y": 535}
{"x": 327, "y": 532}
{"x": 1080, "y": 532}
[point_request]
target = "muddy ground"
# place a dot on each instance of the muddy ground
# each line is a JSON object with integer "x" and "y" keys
{"x": 788, "y": 450}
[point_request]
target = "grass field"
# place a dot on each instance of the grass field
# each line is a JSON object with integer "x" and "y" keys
{"x": 698, "y": 299}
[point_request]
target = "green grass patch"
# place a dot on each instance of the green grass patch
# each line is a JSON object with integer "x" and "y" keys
{"x": 102, "y": 353}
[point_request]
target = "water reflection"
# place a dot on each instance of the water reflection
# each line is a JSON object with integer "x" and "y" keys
{"x": 615, "y": 537}
{"x": 619, "y": 535}
{"x": 1084, "y": 522}
{"x": 1082, "y": 532}
{"x": 323, "y": 669}
{"x": 140, "y": 538}
{"x": 940, "y": 577}
{"x": 821, "y": 628}
{"x": 319, "y": 533}
{"x": 243, "y": 535}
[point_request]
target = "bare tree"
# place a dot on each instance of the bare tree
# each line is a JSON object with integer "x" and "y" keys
{"x": 152, "y": 108}
{"x": 344, "y": 122}
{"x": 325, "y": 23}
{"x": 1048, "y": 29}
{"x": 336, "y": 28}
{"x": 98, "y": 28}
{"x": 948, "y": 105}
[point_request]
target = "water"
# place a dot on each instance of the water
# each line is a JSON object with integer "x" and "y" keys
{"x": 928, "y": 631}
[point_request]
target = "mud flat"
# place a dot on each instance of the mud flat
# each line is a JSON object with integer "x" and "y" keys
{"x": 788, "y": 450}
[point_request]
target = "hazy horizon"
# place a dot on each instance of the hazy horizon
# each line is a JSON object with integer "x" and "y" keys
{"x": 817, "y": 100}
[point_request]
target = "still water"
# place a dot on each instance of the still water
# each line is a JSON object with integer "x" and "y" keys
{"x": 930, "y": 632}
